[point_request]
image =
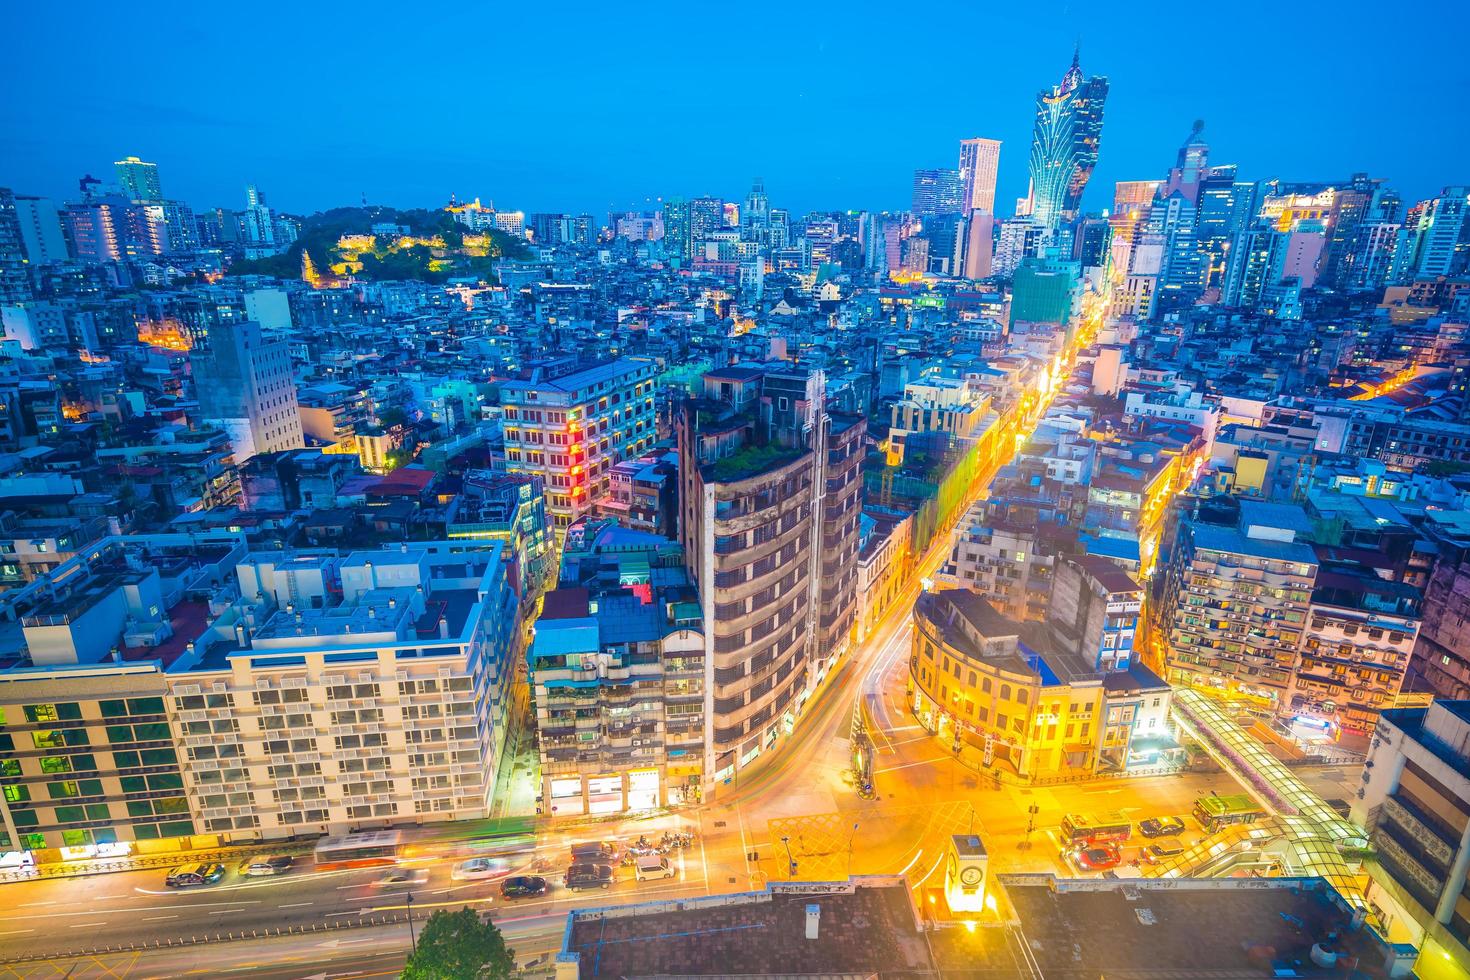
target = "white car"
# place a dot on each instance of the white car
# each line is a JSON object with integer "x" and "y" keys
{"x": 478, "y": 869}
{"x": 400, "y": 878}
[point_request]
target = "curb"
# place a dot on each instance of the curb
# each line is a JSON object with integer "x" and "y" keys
{"x": 218, "y": 937}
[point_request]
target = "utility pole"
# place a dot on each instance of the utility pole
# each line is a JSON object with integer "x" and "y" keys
{"x": 413, "y": 941}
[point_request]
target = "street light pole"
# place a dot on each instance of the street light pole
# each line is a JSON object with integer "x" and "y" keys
{"x": 1031, "y": 812}
{"x": 790, "y": 861}
{"x": 413, "y": 941}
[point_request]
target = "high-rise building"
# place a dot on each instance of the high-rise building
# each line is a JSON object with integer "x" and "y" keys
{"x": 937, "y": 191}
{"x": 1438, "y": 240}
{"x": 1064, "y": 146}
{"x": 979, "y": 165}
{"x": 1018, "y": 239}
{"x": 770, "y": 498}
{"x": 756, "y": 214}
{"x": 706, "y": 216}
{"x": 1191, "y": 166}
{"x": 1235, "y": 601}
{"x": 570, "y": 423}
{"x": 1415, "y": 800}
{"x": 139, "y": 180}
{"x": 617, "y": 668}
{"x": 979, "y": 260}
{"x": 244, "y": 383}
{"x": 258, "y": 223}
{"x": 98, "y": 228}
{"x": 40, "y": 230}
{"x": 15, "y": 283}
{"x": 676, "y": 228}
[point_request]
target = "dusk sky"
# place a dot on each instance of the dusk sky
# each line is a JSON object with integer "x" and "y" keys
{"x": 590, "y": 106}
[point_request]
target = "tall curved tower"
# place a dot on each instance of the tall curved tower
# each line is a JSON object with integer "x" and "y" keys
{"x": 1064, "y": 145}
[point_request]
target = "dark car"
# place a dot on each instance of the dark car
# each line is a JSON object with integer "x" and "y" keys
{"x": 522, "y": 886}
{"x": 193, "y": 875}
{"x": 581, "y": 876}
{"x": 1161, "y": 850}
{"x": 1160, "y": 826}
{"x": 1096, "y": 858}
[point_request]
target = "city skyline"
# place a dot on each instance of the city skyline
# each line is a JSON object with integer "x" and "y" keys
{"x": 317, "y": 138}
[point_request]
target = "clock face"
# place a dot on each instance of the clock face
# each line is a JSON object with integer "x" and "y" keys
{"x": 971, "y": 876}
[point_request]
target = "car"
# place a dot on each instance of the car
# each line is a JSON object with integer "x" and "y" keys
{"x": 478, "y": 869}
{"x": 265, "y": 867}
{"x": 581, "y": 876}
{"x": 190, "y": 875}
{"x": 1161, "y": 827}
{"x": 646, "y": 867}
{"x": 1097, "y": 858}
{"x": 400, "y": 878}
{"x": 1161, "y": 850}
{"x": 522, "y": 886}
{"x": 592, "y": 852}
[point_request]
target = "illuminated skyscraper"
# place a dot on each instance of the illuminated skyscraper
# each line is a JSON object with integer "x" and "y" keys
{"x": 937, "y": 191}
{"x": 1064, "y": 146}
{"x": 979, "y": 163}
{"x": 139, "y": 180}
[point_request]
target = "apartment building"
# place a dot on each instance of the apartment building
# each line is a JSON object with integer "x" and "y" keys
{"x": 1356, "y": 648}
{"x": 171, "y": 686}
{"x": 1236, "y": 602}
{"x": 350, "y": 691}
{"x": 770, "y": 501}
{"x": 1415, "y": 801}
{"x": 570, "y": 423}
{"x": 617, "y": 670}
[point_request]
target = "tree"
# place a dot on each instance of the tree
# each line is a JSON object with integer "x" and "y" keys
{"x": 460, "y": 946}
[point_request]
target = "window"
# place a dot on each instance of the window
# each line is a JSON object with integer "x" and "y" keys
{"x": 63, "y": 790}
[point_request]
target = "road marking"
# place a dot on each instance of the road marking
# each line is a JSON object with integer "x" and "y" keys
{"x": 159, "y": 918}
{"x": 16, "y": 932}
{"x": 938, "y": 861}
{"x": 909, "y": 765}
{"x": 88, "y": 925}
{"x": 226, "y": 911}
{"x": 295, "y": 905}
{"x": 911, "y": 863}
{"x": 35, "y": 905}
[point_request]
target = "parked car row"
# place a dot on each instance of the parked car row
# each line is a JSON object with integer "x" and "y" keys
{"x": 192, "y": 875}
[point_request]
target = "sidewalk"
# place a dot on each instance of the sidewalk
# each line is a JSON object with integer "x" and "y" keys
{"x": 223, "y": 855}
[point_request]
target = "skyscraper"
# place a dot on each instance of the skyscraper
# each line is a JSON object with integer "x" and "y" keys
{"x": 1064, "y": 145}
{"x": 14, "y": 283}
{"x": 757, "y": 212}
{"x": 139, "y": 179}
{"x": 979, "y": 164}
{"x": 937, "y": 191}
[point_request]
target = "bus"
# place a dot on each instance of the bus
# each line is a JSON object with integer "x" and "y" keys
{"x": 1099, "y": 828}
{"x": 370, "y": 849}
{"x": 1215, "y": 812}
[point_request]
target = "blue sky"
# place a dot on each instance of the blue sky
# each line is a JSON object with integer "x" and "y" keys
{"x": 585, "y": 106}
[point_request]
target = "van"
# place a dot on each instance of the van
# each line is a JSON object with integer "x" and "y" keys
{"x": 650, "y": 866}
{"x": 581, "y": 876}
{"x": 594, "y": 852}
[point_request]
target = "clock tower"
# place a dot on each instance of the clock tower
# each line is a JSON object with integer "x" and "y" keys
{"x": 966, "y": 877}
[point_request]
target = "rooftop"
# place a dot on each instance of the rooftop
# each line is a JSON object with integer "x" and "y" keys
{"x": 863, "y": 931}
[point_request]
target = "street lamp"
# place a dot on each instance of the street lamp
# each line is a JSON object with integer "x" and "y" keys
{"x": 413, "y": 941}
{"x": 790, "y": 861}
